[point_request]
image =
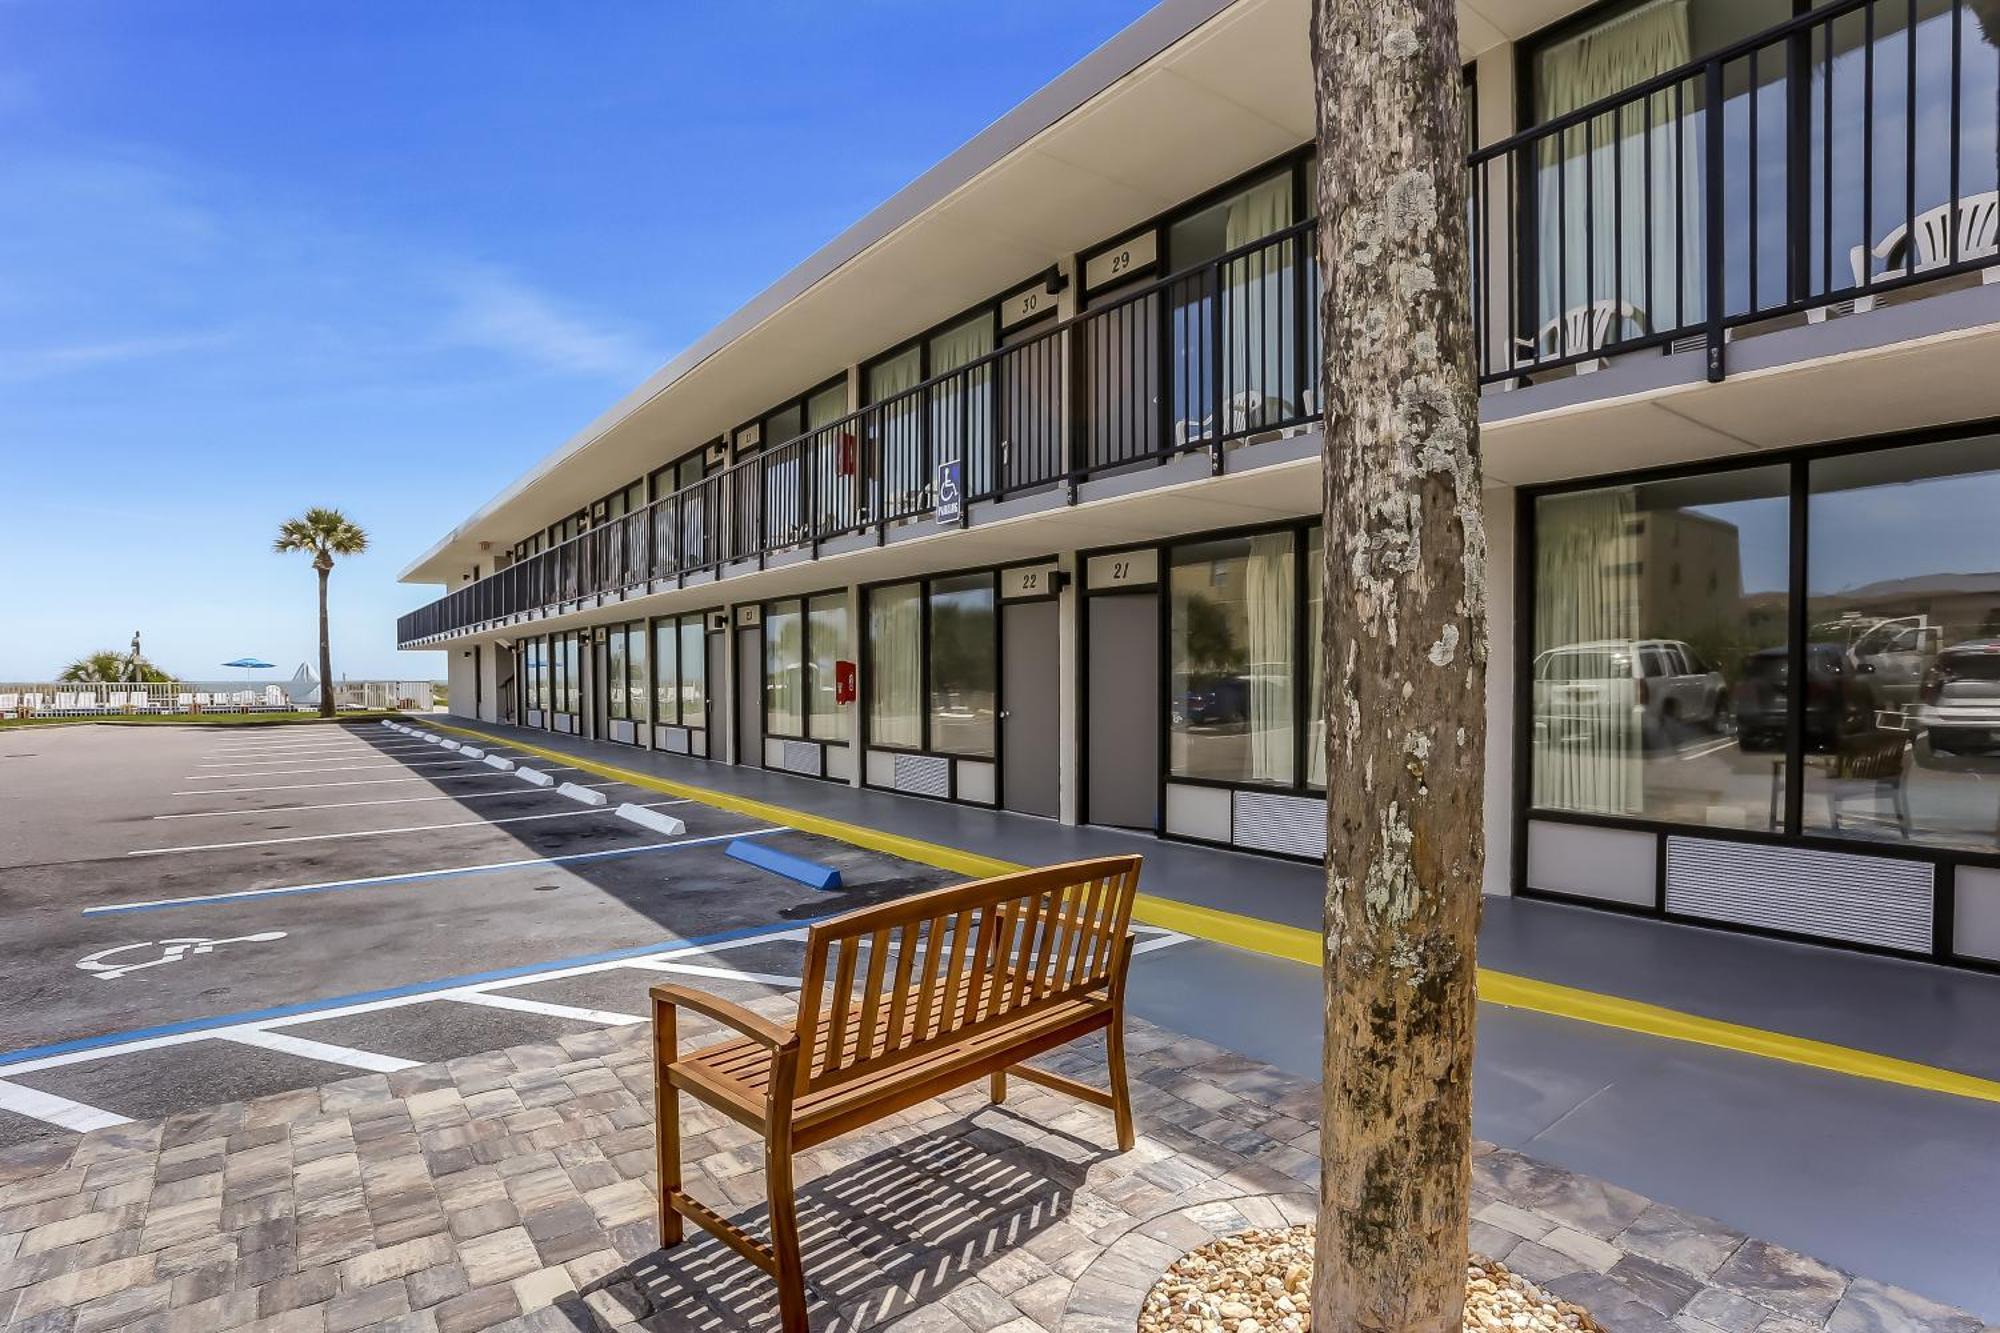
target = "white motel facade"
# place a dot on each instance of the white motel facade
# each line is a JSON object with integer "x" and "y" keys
{"x": 1009, "y": 495}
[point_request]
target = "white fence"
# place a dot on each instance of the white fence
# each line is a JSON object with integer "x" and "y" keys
{"x": 62, "y": 699}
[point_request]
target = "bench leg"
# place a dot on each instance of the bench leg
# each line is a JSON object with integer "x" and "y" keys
{"x": 667, "y": 1114}
{"x": 998, "y": 1085}
{"x": 785, "y": 1236}
{"x": 1121, "y": 1097}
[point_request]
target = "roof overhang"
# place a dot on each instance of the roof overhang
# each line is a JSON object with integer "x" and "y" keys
{"x": 1190, "y": 95}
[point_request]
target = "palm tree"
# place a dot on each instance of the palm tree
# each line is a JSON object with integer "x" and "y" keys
{"x": 107, "y": 666}
{"x": 322, "y": 534}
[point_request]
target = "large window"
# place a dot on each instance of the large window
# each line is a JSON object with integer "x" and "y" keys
{"x": 680, "y": 666}
{"x": 1232, "y": 661}
{"x": 615, "y": 702}
{"x": 964, "y": 694}
{"x": 784, "y": 668}
{"x": 803, "y": 639}
{"x": 1660, "y": 649}
{"x": 826, "y": 642}
{"x": 895, "y": 666}
{"x": 1902, "y": 685}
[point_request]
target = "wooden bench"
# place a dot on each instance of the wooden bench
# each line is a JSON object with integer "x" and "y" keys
{"x": 901, "y": 1003}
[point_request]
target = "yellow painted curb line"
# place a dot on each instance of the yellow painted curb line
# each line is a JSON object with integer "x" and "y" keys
{"x": 1305, "y": 946}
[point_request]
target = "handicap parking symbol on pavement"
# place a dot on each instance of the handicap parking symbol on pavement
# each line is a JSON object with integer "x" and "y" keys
{"x": 172, "y": 951}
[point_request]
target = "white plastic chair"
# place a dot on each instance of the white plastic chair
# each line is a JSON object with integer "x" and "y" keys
{"x": 1582, "y": 328}
{"x": 1978, "y": 222}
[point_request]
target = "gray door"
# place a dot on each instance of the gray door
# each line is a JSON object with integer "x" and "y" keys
{"x": 750, "y": 695}
{"x": 1028, "y": 688}
{"x": 1122, "y": 703}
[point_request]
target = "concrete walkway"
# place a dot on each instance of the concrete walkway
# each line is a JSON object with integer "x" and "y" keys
{"x": 515, "y": 1191}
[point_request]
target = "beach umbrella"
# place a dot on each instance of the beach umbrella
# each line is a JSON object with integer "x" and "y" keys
{"x": 250, "y": 664}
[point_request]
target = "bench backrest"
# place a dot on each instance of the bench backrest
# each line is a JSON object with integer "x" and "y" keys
{"x": 901, "y": 980}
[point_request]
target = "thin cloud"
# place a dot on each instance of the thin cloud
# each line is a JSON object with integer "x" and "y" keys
{"x": 40, "y": 363}
{"x": 498, "y": 312}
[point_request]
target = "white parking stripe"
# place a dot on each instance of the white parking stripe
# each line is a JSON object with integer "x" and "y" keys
{"x": 362, "y": 833}
{"x": 53, "y": 1110}
{"x": 715, "y": 973}
{"x": 312, "y": 757}
{"x": 351, "y": 782}
{"x": 349, "y": 805}
{"x": 346, "y": 768}
{"x": 494, "y": 1000}
{"x": 446, "y": 872}
{"x": 316, "y": 1050}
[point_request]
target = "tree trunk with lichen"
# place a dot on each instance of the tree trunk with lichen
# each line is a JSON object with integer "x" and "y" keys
{"x": 1404, "y": 657}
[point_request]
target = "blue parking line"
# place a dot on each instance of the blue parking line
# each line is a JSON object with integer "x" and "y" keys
{"x": 412, "y": 876}
{"x": 394, "y": 992}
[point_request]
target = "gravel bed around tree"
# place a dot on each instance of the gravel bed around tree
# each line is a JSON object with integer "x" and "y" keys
{"x": 1260, "y": 1281}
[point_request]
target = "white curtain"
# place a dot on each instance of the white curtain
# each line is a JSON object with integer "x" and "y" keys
{"x": 1258, "y": 306}
{"x": 895, "y": 624}
{"x": 1268, "y": 592}
{"x": 1588, "y": 740}
{"x": 1315, "y": 666}
{"x": 833, "y": 488}
{"x": 964, "y": 407}
{"x": 1592, "y": 206}
{"x": 895, "y": 435}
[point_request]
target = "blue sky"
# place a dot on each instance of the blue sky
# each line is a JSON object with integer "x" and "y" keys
{"x": 261, "y": 254}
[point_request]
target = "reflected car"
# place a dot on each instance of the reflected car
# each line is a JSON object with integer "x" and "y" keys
{"x": 1838, "y": 700}
{"x": 1664, "y": 681}
{"x": 1958, "y": 704}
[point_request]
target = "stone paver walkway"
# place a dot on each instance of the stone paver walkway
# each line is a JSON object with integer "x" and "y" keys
{"x": 514, "y": 1191}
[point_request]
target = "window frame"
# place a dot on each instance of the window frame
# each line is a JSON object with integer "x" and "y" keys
{"x": 1790, "y": 834}
{"x": 804, "y": 602}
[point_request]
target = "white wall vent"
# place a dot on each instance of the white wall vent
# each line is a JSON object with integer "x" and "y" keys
{"x": 1876, "y": 900}
{"x": 803, "y": 757}
{"x": 923, "y": 775}
{"x": 1293, "y": 825}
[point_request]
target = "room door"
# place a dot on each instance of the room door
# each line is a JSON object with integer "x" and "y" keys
{"x": 1122, "y": 708}
{"x": 750, "y": 695}
{"x": 1029, "y": 689}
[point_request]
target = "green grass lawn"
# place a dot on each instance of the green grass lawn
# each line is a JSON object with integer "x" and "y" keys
{"x": 196, "y": 720}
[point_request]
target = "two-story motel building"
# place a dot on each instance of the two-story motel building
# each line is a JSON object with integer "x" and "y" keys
{"x": 1008, "y": 496}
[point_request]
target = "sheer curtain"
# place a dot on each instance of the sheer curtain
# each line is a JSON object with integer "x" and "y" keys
{"x": 896, "y": 434}
{"x": 1315, "y": 658}
{"x": 1257, "y": 307}
{"x": 1268, "y": 598}
{"x": 1587, "y": 753}
{"x": 1593, "y": 205}
{"x": 895, "y": 627}
{"x": 833, "y": 498}
{"x": 964, "y": 407}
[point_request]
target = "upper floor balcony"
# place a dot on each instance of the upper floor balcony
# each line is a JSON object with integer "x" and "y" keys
{"x": 1837, "y": 164}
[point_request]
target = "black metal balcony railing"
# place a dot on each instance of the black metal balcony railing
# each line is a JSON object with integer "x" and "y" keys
{"x": 1811, "y": 168}
{"x": 1193, "y": 362}
{"x": 1828, "y": 160}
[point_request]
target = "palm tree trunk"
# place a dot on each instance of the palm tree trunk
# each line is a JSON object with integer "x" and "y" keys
{"x": 325, "y": 651}
{"x": 1404, "y": 659}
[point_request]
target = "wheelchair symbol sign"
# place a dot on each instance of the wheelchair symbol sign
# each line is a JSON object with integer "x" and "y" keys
{"x": 950, "y": 495}
{"x": 102, "y": 965}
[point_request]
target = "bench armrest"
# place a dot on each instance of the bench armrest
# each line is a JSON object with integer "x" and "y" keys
{"x": 731, "y": 1015}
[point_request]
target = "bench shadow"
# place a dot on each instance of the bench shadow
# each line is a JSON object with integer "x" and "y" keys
{"x": 881, "y": 1237}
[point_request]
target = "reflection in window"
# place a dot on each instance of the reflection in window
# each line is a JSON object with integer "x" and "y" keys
{"x": 963, "y": 669}
{"x": 1660, "y": 649}
{"x": 784, "y": 666}
{"x": 635, "y": 669}
{"x": 666, "y": 671}
{"x": 826, "y": 633}
{"x": 694, "y": 672}
{"x": 1903, "y": 597}
{"x": 1231, "y": 660}
{"x": 614, "y": 673}
{"x": 895, "y": 666}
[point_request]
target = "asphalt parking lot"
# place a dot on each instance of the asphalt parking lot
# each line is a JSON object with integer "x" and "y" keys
{"x": 204, "y": 915}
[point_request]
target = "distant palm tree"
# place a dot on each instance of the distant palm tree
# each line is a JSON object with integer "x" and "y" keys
{"x": 107, "y": 666}
{"x": 322, "y": 534}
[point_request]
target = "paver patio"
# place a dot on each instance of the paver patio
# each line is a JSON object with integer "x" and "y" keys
{"x": 513, "y": 1190}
